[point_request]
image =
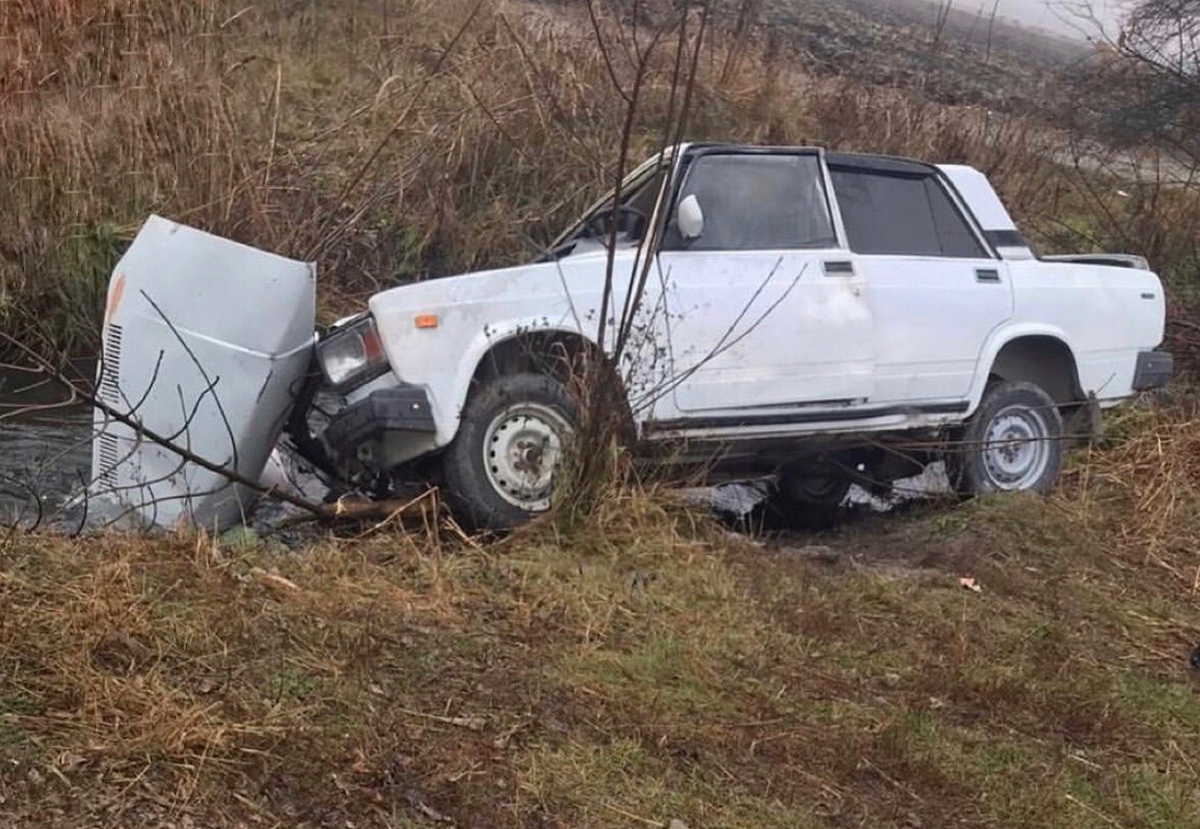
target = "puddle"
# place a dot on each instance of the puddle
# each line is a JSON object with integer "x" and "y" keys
{"x": 45, "y": 449}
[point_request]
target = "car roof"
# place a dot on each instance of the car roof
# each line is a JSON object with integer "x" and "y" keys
{"x": 857, "y": 161}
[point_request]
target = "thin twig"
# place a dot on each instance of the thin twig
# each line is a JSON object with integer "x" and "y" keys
{"x": 150, "y": 434}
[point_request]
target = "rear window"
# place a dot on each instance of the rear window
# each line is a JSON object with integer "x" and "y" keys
{"x": 759, "y": 202}
{"x": 902, "y": 214}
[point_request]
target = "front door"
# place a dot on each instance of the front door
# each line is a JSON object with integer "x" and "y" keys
{"x": 764, "y": 309}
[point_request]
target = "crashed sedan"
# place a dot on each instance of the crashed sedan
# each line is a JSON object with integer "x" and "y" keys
{"x": 800, "y": 312}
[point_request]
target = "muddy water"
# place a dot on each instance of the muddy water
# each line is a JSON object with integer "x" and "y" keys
{"x": 45, "y": 449}
{"x": 46, "y": 460}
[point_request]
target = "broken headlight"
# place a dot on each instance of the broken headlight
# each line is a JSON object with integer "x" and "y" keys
{"x": 353, "y": 354}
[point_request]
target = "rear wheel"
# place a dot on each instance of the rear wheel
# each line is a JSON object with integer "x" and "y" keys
{"x": 499, "y": 471}
{"x": 1012, "y": 444}
{"x": 824, "y": 485}
{"x": 809, "y": 498}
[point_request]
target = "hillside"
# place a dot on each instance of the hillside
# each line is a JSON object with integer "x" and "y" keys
{"x": 640, "y": 664}
{"x": 963, "y": 58}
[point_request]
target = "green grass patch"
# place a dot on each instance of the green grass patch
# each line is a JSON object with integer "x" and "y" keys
{"x": 644, "y": 667}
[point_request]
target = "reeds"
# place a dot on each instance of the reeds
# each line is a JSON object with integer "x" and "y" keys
{"x": 400, "y": 140}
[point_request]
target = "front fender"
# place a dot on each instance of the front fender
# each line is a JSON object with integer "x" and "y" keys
{"x": 472, "y": 314}
{"x": 478, "y": 348}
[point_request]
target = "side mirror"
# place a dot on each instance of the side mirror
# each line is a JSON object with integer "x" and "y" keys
{"x": 690, "y": 218}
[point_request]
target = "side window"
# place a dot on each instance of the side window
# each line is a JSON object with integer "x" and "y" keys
{"x": 758, "y": 202}
{"x": 954, "y": 234}
{"x": 899, "y": 214}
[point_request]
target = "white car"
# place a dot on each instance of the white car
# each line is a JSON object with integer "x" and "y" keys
{"x": 818, "y": 316}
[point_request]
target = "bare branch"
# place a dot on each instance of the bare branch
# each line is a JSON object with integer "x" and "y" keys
{"x": 608, "y": 64}
{"x": 161, "y": 440}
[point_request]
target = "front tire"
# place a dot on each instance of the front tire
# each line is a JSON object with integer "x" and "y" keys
{"x": 1013, "y": 443}
{"x": 500, "y": 468}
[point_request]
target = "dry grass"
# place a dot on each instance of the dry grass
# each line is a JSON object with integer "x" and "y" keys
{"x": 1145, "y": 489}
{"x": 641, "y": 667}
{"x": 400, "y": 139}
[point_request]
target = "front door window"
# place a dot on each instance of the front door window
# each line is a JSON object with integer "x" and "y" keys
{"x": 757, "y": 202}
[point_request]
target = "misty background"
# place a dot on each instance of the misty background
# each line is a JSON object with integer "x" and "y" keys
{"x": 1058, "y": 16}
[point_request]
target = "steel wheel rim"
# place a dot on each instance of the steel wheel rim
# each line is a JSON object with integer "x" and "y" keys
{"x": 522, "y": 447}
{"x": 1015, "y": 451}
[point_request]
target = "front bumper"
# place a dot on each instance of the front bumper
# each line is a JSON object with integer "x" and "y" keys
{"x": 381, "y": 414}
{"x": 1154, "y": 370}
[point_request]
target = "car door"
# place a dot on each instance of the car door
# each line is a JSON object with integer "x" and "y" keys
{"x": 764, "y": 309}
{"x": 936, "y": 290}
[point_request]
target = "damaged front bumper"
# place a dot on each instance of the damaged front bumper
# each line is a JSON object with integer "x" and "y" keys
{"x": 379, "y": 422}
{"x": 380, "y": 426}
{"x": 367, "y": 427}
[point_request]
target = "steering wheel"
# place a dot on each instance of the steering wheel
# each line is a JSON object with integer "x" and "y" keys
{"x": 630, "y": 222}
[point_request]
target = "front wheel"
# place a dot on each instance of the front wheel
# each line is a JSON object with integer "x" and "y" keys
{"x": 499, "y": 470}
{"x": 1013, "y": 443}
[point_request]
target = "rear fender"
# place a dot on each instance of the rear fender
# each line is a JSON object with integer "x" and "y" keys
{"x": 996, "y": 343}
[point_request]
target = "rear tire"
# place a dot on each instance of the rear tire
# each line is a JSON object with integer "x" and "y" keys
{"x": 1013, "y": 443}
{"x": 499, "y": 470}
{"x": 808, "y": 498}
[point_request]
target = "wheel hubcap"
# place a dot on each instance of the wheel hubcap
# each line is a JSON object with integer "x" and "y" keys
{"x": 1015, "y": 454}
{"x": 521, "y": 449}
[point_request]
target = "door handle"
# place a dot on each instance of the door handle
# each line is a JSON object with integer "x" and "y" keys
{"x": 987, "y": 275}
{"x": 838, "y": 268}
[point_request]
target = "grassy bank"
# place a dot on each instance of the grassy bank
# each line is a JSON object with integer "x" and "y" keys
{"x": 645, "y": 665}
{"x": 391, "y": 141}
{"x": 645, "y": 669}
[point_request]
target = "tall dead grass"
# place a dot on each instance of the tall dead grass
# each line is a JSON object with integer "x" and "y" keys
{"x": 1143, "y": 490}
{"x": 390, "y": 141}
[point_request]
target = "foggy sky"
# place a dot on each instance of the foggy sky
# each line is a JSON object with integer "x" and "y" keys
{"x": 1054, "y": 15}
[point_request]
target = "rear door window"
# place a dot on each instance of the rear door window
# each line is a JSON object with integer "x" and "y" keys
{"x": 902, "y": 215}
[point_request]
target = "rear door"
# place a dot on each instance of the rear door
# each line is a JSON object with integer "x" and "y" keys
{"x": 765, "y": 310}
{"x": 936, "y": 290}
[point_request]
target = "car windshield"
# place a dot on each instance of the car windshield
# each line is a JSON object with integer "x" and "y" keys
{"x": 639, "y": 193}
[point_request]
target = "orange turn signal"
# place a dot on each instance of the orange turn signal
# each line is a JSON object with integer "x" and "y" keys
{"x": 426, "y": 321}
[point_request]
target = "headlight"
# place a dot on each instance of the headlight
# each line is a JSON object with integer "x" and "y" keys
{"x": 353, "y": 354}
